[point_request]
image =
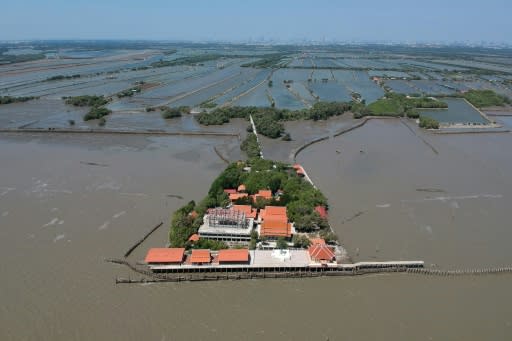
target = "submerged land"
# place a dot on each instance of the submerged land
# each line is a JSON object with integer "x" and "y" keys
{"x": 176, "y": 142}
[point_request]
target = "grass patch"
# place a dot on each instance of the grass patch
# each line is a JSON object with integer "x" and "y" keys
{"x": 385, "y": 106}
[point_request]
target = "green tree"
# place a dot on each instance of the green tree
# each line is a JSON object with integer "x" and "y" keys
{"x": 301, "y": 241}
{"x": 281, "y": 244}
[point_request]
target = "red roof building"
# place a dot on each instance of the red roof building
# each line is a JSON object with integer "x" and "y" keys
{"x": 322, "y": 211}
{"x": 236, "y": 196}
{"x": 200, "y": 256}
{"x": 247, "y": 209}
{"x": 274, "y": 211}
{"x": 264, "y": 194}
{"x": 275, "y": 228}
{"x": 319, "y": 241}
{"x": 194, "y": 238}
{"x": 275, "y": 222}
{"x": 321, "y": 253}
{"x": 165, "y": 255}
{"x": 230, "y": 191}
{"x": 299, "y": 170}
{"x": 231, "y": 256}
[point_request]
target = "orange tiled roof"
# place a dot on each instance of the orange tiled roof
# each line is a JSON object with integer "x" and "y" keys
{"x": 247, "y": 209}
{"x": 230, "y": 191}
{"x": 165, "y": 255}
{"x": 233, "y": 255}
{"x": 200, "y": 256}
{"x": 193, "y": 238}
{"x": 236, "y": 196}
{"x": 264, "y": 193}
{"x": 274, "y": 212}
{"x": 319, "y": 252}
{"x": 315, "y": 241}
{"x": 276, "y": 228}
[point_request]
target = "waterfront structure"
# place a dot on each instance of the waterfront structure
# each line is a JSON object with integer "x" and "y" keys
{"x": 199, "y": 257}
{"x": 227, "y": 224}
{"x": 321, "y": 253}
{"x": 233, "y": 260}
{"x": 233, "y": 256}
{"x": 165, "y": 256}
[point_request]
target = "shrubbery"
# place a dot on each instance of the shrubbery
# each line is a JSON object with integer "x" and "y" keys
{"x": 9, "y": 99}
{"x": 168, "y": 113}
{"x": 250, "y": 146}
{"x": 129, "y": 92}
{"x": 428, "y": 123}
{"x": 268, "y": 121}
{"x": 86, "y": 101}
{"x": 97, "y": 113}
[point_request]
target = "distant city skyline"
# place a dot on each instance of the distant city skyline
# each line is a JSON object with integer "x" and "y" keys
{"x": 285, "y": 21}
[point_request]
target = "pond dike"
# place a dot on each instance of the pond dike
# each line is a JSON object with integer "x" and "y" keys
{"x": 118, "y": 132}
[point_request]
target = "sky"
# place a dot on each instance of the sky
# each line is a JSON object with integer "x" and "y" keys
{"x": 472, "y": 21}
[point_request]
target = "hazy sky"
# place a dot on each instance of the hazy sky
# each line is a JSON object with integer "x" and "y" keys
{"x": 350, "y": 20}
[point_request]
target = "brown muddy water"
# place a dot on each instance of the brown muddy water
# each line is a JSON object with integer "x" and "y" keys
{"x": 60, "y": 217}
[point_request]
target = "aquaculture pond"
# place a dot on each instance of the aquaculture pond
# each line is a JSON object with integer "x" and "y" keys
{"x": 330, "y": 91}
{"x": 459, "y": 111}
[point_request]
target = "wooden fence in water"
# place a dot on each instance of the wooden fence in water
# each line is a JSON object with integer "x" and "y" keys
{"x": 137, "y": 243}
{"x": 460, "y": 272}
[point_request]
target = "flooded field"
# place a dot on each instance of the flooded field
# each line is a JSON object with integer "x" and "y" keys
{"x": 395, "y": 197}
{"x": 59, "y": 285}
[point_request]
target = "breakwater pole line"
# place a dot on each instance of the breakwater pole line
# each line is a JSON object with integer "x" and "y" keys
{"x": 220, "y": 155}
{"x": 460, "y": 272}
{"x": 140, "y": 241}
{"x": 419, "y": 137}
